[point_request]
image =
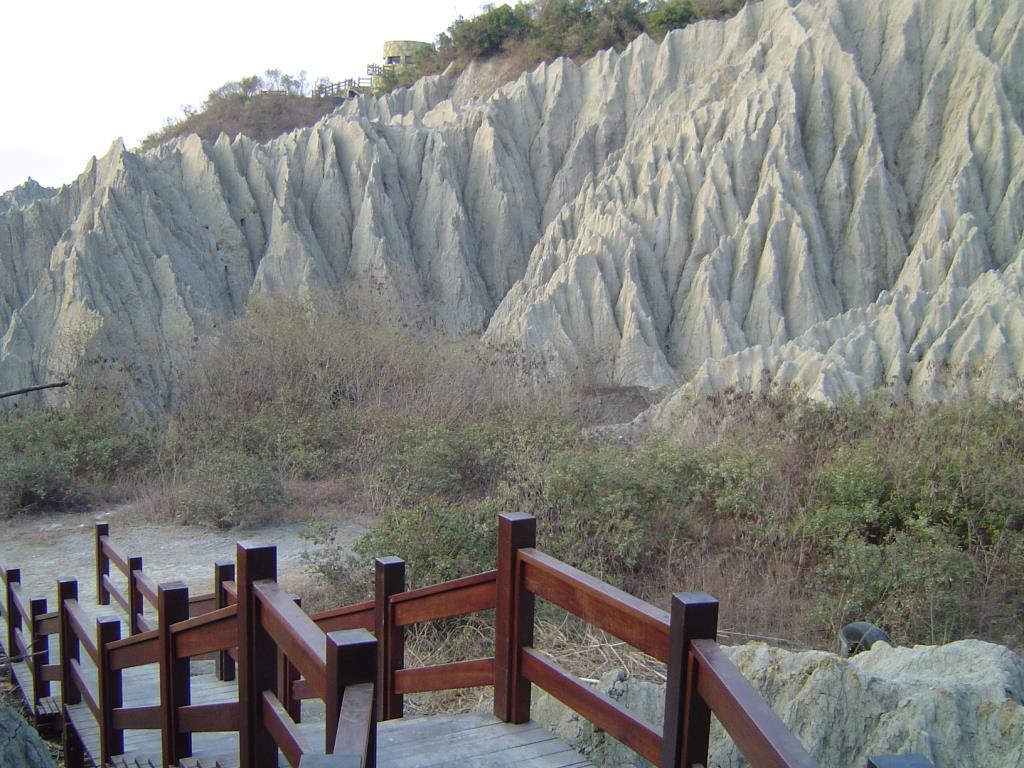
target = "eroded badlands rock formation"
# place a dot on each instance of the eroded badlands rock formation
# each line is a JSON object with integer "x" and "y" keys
{"x": 827, "y": 193}
{"x": 960, "y": 705}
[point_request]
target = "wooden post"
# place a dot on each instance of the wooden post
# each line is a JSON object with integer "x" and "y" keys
{"x": 67, "y": 589}
{"x": 257, "y": 657}
{"x": 223, "y": 570}
{"x": 513, "y": 621}
{"x": 136, "y": 603}
{"x": 389, "y": 573}
{"x": 351, "y": 659}
{"x": 12, "y": 576}
{"x": 102, "y": 564}
{"x": 175, "y": 691}
{"x": 694, "y": 616}
{"x": 108, "y": 629}
{"x": 40, "y": 650}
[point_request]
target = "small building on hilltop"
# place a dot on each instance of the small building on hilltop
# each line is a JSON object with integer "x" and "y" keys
{"x": 398, "y": 56}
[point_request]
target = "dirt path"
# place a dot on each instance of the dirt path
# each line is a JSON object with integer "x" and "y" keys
{"x": 46, "y": 546}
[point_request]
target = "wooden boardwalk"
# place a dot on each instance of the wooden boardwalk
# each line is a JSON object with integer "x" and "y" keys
{"x": 473, "y": 740}
{"x": 243, "y": 677}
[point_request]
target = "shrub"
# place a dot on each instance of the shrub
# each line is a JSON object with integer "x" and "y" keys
{"x": 670, "y": 15}
{"x": 61, "y": 456}
{"x": 227, "y": 489}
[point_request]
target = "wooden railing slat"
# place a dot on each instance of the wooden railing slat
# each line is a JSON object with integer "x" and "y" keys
{"x": 209, "y": 718}
{"x": 48, "y": 624}
{"x": 358, "y": 616}
{"x": 355, "y": 721}
{"x": 626, "y": 617}
{"x": 136, "y": 718}
{"x": 51, "y": 673}
{"x": 115, "y": 593}
{"x": 135, "y": 651}
{"x": 444, "y": 677}
{"x": 20, "y": 601}
{"x": 115, "y": 557}
{"x": 286, "y": 734}
{"x": 22, "y": 648}
{"x": 88, "y": 696}
{"x": 80, "y": 624}
{"x": 758, "y": 732}
{"x": 606, "y": 714}
{"x": 147, "y": 587}
{"x": 458, "y": 601}
{"x": 487, "y": 577}
{"x": 294, "y": 632}
{"x": 206, "y": 633}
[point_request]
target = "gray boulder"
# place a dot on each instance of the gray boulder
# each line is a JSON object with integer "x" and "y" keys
{"x": 960, "y": 704}
{"x": 20, "y": 745}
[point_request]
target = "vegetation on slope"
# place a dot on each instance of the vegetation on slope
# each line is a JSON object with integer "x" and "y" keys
{"x": 543, "y": 30}
{"x": 797, "y": 516}
{"x": 265, "y": 106}
{"x": 259, "y": 106}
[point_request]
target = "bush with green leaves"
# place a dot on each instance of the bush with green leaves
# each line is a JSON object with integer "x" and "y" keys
{"x": 670, "y": 15}
{"x": 53, "y": 458}
{"x": 228, "y": 489}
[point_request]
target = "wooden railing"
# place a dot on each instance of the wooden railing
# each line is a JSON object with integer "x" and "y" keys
{"x": 139, "y": 589}
{"x": 29, "y": 626}
{"x": 284, "y": 655}
{"x": 701, "y": 679}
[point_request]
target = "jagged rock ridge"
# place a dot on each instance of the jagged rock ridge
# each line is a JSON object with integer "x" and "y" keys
{"x": 828, "y": 194}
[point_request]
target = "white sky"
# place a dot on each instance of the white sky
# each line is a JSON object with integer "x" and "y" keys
{"x": 81, "y": 74}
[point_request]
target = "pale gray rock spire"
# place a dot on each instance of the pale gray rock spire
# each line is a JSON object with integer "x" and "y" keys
{"x": 827, "y": 194}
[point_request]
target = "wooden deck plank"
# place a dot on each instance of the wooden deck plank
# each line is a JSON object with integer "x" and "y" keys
{"x": 475, "y": 740}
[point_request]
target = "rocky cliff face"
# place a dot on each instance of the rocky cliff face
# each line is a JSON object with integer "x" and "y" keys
{"x": 959, "y": 705}
{"x": 827, "y": 193}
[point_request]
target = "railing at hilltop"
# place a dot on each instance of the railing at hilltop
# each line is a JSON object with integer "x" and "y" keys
{"x": 342, "y": 88}
{"x": 285, "y": 655}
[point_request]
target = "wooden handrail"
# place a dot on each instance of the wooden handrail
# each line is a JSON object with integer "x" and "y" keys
{"x": 442, "y": 601}
{"x": 302, "y": 641}
{"x": 606, "y": 714}
{"x": 358, "y": 616}
{"x": 136, "y": 718}
{"x": 20, "y": 649}
{"x": 78, "y": 621}
{"x": 209, "y": 718}
{"x": 19, "y": 602}
{"x": 115, "y": 593}
{"x": 82, "y": 683}
{"x": 286, "y": 733}
{"x": 445, "y": 677}
{"x": 355, "y": 721}
{"x": 134, "y": 651}
{"x": 360, "y": 677}
{"x": 147, "y": 587}
{"x": 48, "y": 624}
{"x": 758, "y": 732}
{"x": 620, "y": 614}
{"x": 114, "y": 556}
{"x": 206, "y": 633}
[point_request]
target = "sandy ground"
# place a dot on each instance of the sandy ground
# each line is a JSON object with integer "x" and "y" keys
{"x": 46, "y": 546}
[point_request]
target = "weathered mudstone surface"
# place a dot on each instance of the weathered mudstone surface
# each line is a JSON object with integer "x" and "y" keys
{"x": 23, "y": 194}
{"x": 20, "y": 745}
{"x": 960, "y": 704}
{"x": 826, "y": 193}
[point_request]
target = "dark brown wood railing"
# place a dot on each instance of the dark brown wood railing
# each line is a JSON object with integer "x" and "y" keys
{"x": 139, "y": 589}
{"x": 29, "y": 626}
{"x": 281, "y": 655}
